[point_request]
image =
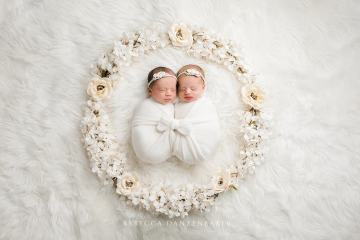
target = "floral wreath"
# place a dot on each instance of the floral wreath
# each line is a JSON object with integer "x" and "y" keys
{"x": 108, "y": 158}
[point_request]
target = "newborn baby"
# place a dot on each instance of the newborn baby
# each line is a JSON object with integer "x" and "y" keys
{"x": 150, "y": 135}
{"x": 197, "y": 114}
{"x": 190, "y": 131}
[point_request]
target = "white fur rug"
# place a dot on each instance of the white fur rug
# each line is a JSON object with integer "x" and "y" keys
{"x": 305, "y": 54}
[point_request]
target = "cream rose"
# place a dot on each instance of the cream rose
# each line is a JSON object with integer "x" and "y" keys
{"x": 180, "y": 35}
{"x": 253, "y": 96}
{"x": 99, "y": 88}
{"x": 221, "y": 182}
{"x": 127, "y": 184}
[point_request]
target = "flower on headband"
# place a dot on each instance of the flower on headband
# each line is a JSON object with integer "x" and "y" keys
{"x": 180, "y": 35}
{"x": 160, "y": 75}
{"x": 253, "y": 96}
{"x": 192, "y": 72}
{"x": 99, "y": 88}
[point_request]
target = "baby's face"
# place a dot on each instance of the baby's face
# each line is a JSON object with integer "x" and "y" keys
{"x": 191, "y": 88}
{"x": 164, "y": 90}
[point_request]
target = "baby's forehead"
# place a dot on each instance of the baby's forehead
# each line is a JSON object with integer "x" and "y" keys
{"x": 165, "y": 81}
{"x": 189, "y": 80}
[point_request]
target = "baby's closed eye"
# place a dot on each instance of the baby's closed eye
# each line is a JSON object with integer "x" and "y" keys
{"x": 191, "y": 88}
{"x": 165, "y": 89}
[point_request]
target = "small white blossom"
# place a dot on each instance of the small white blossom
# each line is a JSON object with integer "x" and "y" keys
{"x": 99, "y": 88}
{"x": 252, "y": 95}
{"x": 127, "y": 184}
{"x": 180, "y": 35}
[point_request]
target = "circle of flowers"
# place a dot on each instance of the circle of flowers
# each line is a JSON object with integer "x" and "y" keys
{"x": 108, "y": 158}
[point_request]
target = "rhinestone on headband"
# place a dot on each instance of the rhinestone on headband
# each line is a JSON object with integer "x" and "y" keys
{"x": 160, "y": 75}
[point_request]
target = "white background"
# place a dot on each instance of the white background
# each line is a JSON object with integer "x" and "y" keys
{"x": 306, "y": 56}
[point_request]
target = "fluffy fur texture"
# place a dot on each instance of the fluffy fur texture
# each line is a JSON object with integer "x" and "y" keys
{"x": 306, "y": 56}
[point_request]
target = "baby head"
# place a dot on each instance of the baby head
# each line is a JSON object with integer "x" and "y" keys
{"x": 162, "y": 85}
{"x": 191, "y": 83}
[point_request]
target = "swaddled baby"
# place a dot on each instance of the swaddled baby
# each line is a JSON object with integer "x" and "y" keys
{"x": 190, "y": 131}
{"x": 150, "y": 133}
{"x": 196, "y": 113}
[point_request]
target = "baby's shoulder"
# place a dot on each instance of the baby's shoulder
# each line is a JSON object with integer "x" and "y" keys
{"x": 205, "y": 101}
{"x": 204, "y": 106}
{"x": 143, "y": 105}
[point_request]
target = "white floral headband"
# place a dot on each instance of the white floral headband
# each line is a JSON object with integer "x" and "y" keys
{"x": 192, "y": 72}
{"x": 160, "y": 75}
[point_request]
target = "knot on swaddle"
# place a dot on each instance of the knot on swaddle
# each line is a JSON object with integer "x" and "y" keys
{"x": 201, "y": 142}
{"x": 181, "y": 126}
{"x": 174, "y": 125}
{"x": 157, "y": 135}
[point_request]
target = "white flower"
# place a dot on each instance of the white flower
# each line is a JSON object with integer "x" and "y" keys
{"x": 121, "y": 51}
{"x": 233, "y": 171}
{"x": 103, "y": 62}
{"x": 224, "y": 181}
{"x": 180, "y": 35}
{"x": 127, "y": 184}
{"x": 135, "y": 201}
{"x": 99, "y": 88}
{"x": 253, "y": 96}
{"x": 158, "y": 199}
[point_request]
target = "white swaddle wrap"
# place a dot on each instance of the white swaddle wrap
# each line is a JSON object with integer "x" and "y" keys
{"x": 203, "y": 137}
{"x": 192, "y": 137}
{"x": 150, "y": 142}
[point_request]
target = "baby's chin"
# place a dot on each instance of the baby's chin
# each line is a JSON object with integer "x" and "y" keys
{"x": 188, "y": 99}
{"x": 167, "y": 101}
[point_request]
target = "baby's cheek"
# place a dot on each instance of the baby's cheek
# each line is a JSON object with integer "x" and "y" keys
{"x": 201, "y": 91}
